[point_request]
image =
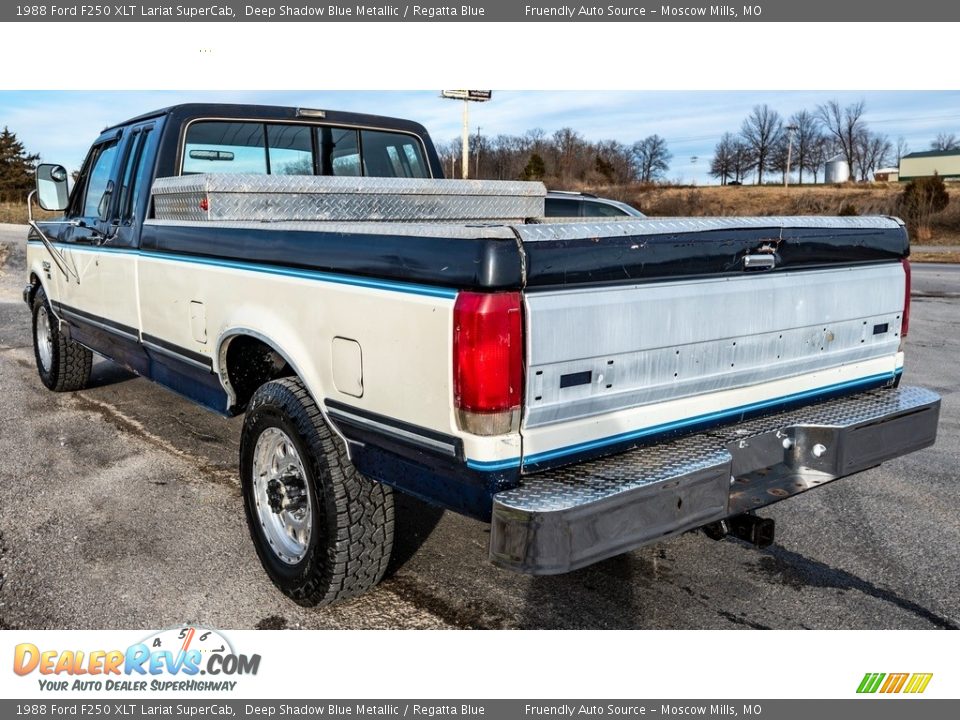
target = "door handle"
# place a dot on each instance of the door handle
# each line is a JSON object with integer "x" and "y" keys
{"x": 765, "y": 261}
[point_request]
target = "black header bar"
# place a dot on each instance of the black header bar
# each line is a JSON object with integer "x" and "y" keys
{"x": 853, "y": 11}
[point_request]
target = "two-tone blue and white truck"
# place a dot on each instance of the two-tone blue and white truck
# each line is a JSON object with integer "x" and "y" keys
{"x": 586, "y": 387}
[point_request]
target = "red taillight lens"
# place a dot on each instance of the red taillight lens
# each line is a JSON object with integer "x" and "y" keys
{"x": 905, "y": 325}
{"x": 488, "y": 361}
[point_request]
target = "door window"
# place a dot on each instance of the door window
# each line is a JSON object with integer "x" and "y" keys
{"x": 96, "y": 184}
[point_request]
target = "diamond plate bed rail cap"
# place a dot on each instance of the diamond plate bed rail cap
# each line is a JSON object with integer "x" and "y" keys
{"x": 666, "y": 226}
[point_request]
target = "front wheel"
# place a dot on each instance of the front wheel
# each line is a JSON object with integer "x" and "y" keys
{"x": 64, "y": 365}
{"x": 323, "y": 531}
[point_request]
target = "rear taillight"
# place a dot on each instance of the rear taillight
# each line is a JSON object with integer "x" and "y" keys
{"x": 488, "y": 361}
{"x": 905, "y": 325}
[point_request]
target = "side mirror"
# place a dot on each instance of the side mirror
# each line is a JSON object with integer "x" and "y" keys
{"x": 52, "y": 187}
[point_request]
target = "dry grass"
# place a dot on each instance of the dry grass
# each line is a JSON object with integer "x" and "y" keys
{"x": 870, "y": 199}
{"x": 928, "y": 257}
{"x": 16, "y": 213}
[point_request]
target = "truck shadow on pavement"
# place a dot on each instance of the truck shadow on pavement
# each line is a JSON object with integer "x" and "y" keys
{"x": 798, "y": 571}
{"x": 415, "y": 521}
{"x": 106, "y": 373}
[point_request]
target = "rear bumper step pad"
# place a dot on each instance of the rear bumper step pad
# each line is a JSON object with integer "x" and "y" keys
{"x": 567, "y": 518}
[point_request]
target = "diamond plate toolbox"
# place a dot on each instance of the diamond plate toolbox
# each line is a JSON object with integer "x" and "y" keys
{"x": 347, "y": 199}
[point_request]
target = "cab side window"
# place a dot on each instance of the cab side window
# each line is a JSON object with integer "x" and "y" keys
{"x": 387, "y": 154}
{"x": 96, "y": 183}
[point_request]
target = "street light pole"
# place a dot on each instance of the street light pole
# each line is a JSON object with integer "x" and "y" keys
{"x": 465, "y": 142}
{"x": 467, "y": 96}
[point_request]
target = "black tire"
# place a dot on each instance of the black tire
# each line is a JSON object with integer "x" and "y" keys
{"x": 351, "y": 516}
{"x": 68, "y": 365}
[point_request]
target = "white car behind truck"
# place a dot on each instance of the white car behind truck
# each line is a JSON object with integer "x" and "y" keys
{"x": 585, "y": 387}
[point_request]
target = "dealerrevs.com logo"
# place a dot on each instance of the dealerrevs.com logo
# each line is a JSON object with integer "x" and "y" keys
{"x": 173, "y": 659}
{"x": 889, "y": 683}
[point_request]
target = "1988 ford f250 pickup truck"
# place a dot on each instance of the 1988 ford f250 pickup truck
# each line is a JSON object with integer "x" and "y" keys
{"x": 585, "y": 387}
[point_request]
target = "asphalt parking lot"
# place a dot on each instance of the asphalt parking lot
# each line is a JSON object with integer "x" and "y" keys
{"x": 120, "y": 508}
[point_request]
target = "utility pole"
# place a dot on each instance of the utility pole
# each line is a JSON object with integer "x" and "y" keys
{"x": 476, "y": 169}
{"x": 467, "y": 96}
{"x": 791, "y": 129}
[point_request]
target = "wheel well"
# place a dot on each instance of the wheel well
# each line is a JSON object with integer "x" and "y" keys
{"x": 34, "y": 286}
{"x": 249, "y": 363}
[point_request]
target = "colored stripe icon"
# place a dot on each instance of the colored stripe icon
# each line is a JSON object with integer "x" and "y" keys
{"x": 914, "y": 683}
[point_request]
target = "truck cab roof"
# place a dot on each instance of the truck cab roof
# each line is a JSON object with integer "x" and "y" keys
{"x": 237, "y": 111}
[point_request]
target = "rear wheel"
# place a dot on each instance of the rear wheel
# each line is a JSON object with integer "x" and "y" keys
{"x": 63, "y": 364}
{"x": 323, "y": 531}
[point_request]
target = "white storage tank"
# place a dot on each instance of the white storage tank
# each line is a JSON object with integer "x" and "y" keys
{"x": 837, "y": 170}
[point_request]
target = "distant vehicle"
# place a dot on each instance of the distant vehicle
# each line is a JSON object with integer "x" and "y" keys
{"x": 735, "y": 182}
{"x": 563, "y": 203}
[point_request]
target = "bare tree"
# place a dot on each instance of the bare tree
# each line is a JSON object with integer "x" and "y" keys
{"x": 615, "y": 161}
{"x": 806, "y": 135}
{"x": 821, "y": 150}
{"x": 760, "y": 133}
{"x": 450, "y": 157}
{"x": 651, "y": 157}
{"x": 873, "y": 151}
{"x": 846, "y": 125}
{"x": 571, "y": 156}
{"x": 742, "y": 162}
{"x": 946, "y": 141}
{"x": 724, "y": 156}
{"x": 902, "y": 148}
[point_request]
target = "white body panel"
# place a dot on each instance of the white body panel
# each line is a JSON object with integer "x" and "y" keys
{"x": 405, "y": 338}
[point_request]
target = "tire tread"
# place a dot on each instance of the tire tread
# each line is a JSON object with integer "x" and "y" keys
{"x": 360, "y": 510}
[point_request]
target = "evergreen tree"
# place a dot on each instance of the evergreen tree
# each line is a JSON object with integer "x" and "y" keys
{"x": 535, "y": 169}
{"x": 16, "y": 167}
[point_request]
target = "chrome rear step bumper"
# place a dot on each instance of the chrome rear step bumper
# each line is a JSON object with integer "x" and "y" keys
{"x": 564, "y": 519}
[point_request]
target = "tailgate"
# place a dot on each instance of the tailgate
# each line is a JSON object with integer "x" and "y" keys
{"x": 613, "y": 364}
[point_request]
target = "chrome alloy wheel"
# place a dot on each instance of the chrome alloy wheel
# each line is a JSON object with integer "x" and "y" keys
{"x": 44, "y": 339}
{"x": 282, "y": 494}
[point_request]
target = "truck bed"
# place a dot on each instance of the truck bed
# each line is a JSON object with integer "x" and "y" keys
{"x": 632, "y": 328}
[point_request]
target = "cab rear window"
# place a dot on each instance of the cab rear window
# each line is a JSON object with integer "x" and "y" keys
{"x": 217, "y": 146}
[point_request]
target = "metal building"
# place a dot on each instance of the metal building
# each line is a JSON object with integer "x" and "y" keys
{"x": 945, "y": 163}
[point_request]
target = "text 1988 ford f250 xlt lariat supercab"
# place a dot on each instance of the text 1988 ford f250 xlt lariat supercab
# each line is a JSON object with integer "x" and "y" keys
{"x": 586, "y": 387}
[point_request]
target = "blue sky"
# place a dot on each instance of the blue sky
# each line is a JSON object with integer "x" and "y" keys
{"x": 60, "y": 125}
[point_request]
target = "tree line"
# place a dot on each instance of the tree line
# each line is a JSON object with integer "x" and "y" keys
{"x": 768, "y": 144}
{"x": 560, "y": 159}
{"x": 758, "y": 151}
